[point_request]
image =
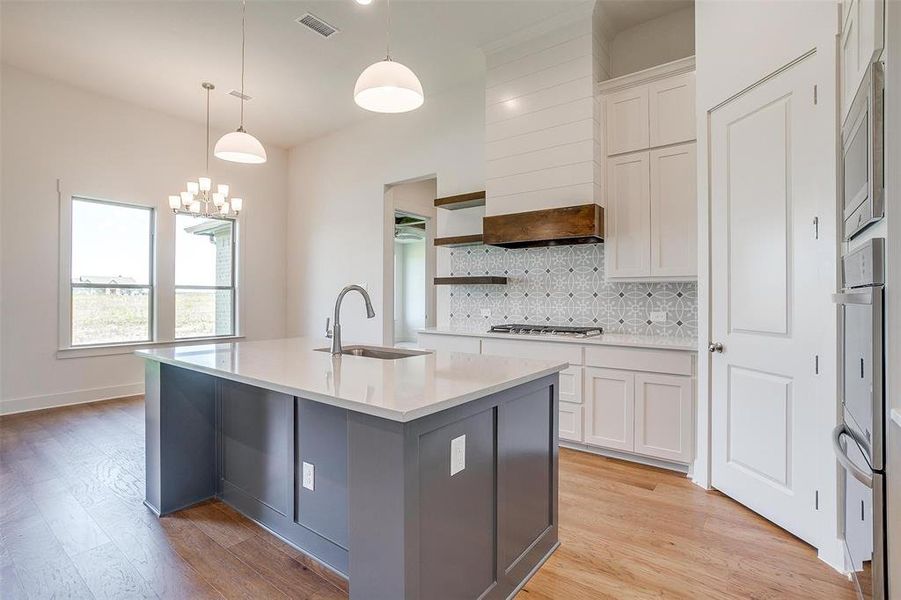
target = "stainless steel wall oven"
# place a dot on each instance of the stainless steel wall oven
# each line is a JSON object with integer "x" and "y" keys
{"x": 859, "y": 442}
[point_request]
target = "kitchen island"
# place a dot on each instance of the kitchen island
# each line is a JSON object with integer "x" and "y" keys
{"x": 429, "y": 476}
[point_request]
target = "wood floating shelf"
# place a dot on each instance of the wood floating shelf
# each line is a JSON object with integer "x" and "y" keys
{"x": 469, "y": 200}
{"x": 471, "y": 280}
{"x": 459, "y": 240}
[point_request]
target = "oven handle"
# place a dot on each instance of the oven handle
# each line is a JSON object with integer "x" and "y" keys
{"x": 859, "y": 474}
{"x": 853, "y": 298}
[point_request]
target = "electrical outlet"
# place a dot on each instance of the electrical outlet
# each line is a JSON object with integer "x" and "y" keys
{"x": 486, "y": 312}
{"x": 458, "y": 455}
{"x": 309, "y": 476}
{"x": 658, "y": 317}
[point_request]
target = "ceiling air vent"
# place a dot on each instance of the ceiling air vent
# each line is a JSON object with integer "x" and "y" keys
{"x": 238, "y": 94}
{"x": 317, "y": 25}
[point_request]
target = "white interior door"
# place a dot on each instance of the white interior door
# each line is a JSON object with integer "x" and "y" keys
{"x": 765, "y": 300}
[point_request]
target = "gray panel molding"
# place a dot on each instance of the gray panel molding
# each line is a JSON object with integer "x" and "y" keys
{"x": 384, "y": 495}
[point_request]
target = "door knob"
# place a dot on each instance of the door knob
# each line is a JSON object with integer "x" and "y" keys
{"x": 715, "y": 347}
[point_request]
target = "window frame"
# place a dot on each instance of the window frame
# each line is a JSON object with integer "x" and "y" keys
{"x": 66, "y": 321}
{"x": 233, "y": 287}
{"x": 163, "y": 276}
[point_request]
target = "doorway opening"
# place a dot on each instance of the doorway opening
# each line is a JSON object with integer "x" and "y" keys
{"x": 410, "y": 260}
{"x": 409, "y": 276}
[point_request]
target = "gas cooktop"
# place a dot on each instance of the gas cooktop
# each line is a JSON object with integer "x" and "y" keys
{"x": 520, "y": 328}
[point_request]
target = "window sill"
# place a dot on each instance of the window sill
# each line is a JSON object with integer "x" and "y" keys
{"x": 128, "y": 348}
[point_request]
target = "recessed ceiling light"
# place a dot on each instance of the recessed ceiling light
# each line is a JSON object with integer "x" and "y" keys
{"x": 364, "y": 2}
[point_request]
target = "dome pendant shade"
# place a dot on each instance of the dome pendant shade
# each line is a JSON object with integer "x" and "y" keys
{"x": 241, "y": 147}
{"x": 388, "y": 87}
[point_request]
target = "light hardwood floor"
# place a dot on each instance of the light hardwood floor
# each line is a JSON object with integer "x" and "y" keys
{"x": 72, "y": 524}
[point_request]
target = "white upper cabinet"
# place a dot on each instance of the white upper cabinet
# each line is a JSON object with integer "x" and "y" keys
{"x": 628, "y": 214}
{"x": 627, "y": 120}
{"x": 863, "y": 27}
{"x": 671, "y": 110}
{"x": 651, "y": 187}
{"x": 674, "y": 201}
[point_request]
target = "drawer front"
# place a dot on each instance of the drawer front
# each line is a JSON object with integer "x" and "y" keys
{"x": 639, "y": 359}
{"x": 571, "y": 385}
{"x": 534, "y": 350}
{"x": 450, "y": 343}
{"x": 570, "y": 422}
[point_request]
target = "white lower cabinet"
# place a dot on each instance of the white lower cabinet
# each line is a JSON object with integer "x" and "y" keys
{"x": 633, "y": 400}
{"x": 570, "y": 422}
{"x": 663, "y": 416}
{"x": 610, "y": 408}
{"x": 644, "y": 413}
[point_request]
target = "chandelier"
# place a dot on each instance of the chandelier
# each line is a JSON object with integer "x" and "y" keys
{"x": 199, "y": 199}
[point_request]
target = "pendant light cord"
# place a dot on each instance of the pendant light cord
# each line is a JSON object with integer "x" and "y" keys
{"x": 388, "y": 30}
{"x": 207, "y": 149}
{"x": 243, "y": 43}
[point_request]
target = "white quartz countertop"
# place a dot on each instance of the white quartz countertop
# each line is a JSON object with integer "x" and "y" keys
{"x": 606, "y": 339}
{"x": 400, "y": 390}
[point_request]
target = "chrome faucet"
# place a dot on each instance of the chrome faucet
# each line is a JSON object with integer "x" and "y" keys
{"x": 335, "y": 332}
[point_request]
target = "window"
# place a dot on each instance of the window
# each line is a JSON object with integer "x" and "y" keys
{"x": 112, "y": 273}
{"x": 204, "y": 276}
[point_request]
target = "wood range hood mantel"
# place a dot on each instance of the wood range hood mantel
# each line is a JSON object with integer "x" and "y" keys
{"x": 583, "y": 224}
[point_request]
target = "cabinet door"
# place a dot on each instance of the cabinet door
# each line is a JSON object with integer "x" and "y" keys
{"x": 570, "y": 422}
{"x": 628, "y": 214}
{"x": 627, "y": 120}
{"x": 671, "y": 110}
{"x": 861, "y": 40}
{"x": 610, "y": 408}
{"x": 674, "y": 201}
{"x": 663, "y": 416}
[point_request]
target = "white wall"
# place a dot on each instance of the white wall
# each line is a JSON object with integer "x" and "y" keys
{"x": 337, "y": 202}
{"x": 653, "y": 42}
{"x": 737, "y": 44}
{"x": 109, "y": 149}
{"x": 541, "y": 119}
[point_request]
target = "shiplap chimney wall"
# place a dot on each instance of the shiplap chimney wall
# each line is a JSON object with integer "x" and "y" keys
{"x": 542, "y": 120}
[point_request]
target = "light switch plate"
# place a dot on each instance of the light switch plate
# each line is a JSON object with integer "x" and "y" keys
{"x": 458, "y": 455}
{"x": 309, "y": 476}
{"x": 658, "y": 317}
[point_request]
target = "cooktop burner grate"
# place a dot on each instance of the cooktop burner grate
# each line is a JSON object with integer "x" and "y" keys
{"x": 520, "y": 328}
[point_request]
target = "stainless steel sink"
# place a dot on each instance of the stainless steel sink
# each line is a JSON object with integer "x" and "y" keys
{"x": 377, "y": 352}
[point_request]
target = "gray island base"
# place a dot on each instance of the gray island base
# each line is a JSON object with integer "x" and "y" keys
{"x": 404, "y": 509}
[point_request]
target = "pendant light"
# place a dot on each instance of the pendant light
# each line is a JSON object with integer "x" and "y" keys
{"x": 239, "y": 146}
{"x": 388, "y": 86}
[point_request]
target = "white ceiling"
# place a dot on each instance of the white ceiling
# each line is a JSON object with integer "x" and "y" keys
{"x": 155, "y": 54}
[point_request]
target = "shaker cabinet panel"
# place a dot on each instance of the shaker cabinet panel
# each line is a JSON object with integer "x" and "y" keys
{"x": 674, "y": 202}
{"x": 628, "y": 243}
{"x": 609, "y": 408}
{"x": 627, "y": 120}
{"x": 663, "y": 416}
{"x": 671, "y": 110}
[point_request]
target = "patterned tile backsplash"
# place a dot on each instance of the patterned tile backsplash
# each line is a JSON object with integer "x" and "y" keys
{"x": 564, "y": 285}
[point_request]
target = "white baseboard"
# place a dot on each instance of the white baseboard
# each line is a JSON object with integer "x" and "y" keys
{"x": 19, "y": 405}
{"x": 833, "y": 554}
{"x": 636, "y": 458}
